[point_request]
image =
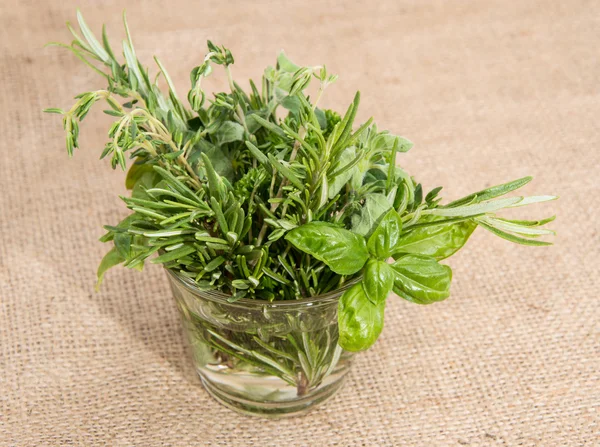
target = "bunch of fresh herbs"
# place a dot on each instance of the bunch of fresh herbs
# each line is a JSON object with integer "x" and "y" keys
{"x": 261, "y": 194}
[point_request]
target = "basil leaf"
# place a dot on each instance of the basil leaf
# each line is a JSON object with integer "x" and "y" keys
{"x": 135, "y": 172}
{"x": 378, "y": 280}
{"x": 344, "y": 252}
{"x": 439, "y": 241}
{"x": 385, "y": 237}
{"x": 359, "y": 320}
{"x": 421, "y": 279}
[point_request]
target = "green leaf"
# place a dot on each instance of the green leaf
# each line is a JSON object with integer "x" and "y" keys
{"x": 174, "y": 255}
{"x": 384, "y": 239}
{"x": 529, "y": 223}
{"x": 344, "y": 252}
{"x": 92, "y": 41}
{"x": 375, "y": 206}
{"x": 286, "y": 172}
{"x": 54, "y": 110}
{"x": 121, "y": 227}
{"x": 212, "y": 265}
{"x": 512, "y": 237}
{"x": 272, "y": 127}
{"x": 533, "y": 199}
{"x": 256, "y": 152}
{"x": 106, "y": 44}
{"x": 285, "y": 64}
{"x": 421, "y": 279}
{"x": 215, "y": 184}
{"x": 291, "y": 103}
{"x": 347, "y": 121}
{"x": 321, "y": 118}
{"x": 135, "y": 172}
{"x": 229, "y": 131}
{"x": 490, "y": 193}
{"x": 346, "y": 157}
{"x": 219, "y": 159}
{"x": 110, "y": 259}
{"x": 439, "y": 241}
{"x": 385, "y": 141}
{"x": 359, "y": 320}
{"x": 378, "y": 280}
{"x": 511, "y": 227}
{"x": 123, "y": 244}
{"x": 476, "y": 208}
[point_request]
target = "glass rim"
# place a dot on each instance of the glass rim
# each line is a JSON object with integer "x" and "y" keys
{"x": 220, "y": 297}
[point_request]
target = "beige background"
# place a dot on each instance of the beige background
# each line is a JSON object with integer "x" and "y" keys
{"x": 488, "y": 90}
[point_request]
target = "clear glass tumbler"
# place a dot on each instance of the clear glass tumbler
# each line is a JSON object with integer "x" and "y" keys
{"x": 259, "y": 357}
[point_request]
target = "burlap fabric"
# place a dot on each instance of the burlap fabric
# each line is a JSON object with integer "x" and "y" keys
{"x": 489, "y": 91}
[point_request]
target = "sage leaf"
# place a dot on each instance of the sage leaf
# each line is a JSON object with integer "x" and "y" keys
{"x": 285, "y": 64}
{"x": 375, "y": 206}
{"x": 378, "y": 280}
{"x": 385, "y": 238}
{"x": 344, "y": 252}
{"x": 385, "y": 141}
{"x": 228, "y": 132}
{"x": 359, "y": 320}
{"x": 421, "y": 279}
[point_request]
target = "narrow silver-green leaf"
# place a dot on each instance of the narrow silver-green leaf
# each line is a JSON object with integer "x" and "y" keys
{"x": 91, "y": 39}
{"x": 477, "y": 208}
{"x": 511, "y": 237}
{"x": 490, "y": 193}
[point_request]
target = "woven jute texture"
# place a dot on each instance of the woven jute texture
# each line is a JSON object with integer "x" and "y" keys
{"x": 488, "y": 90}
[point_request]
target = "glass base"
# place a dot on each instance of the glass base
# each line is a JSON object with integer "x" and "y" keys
{"x": 270, "y": 409}
{"x": 271, "y": 359}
